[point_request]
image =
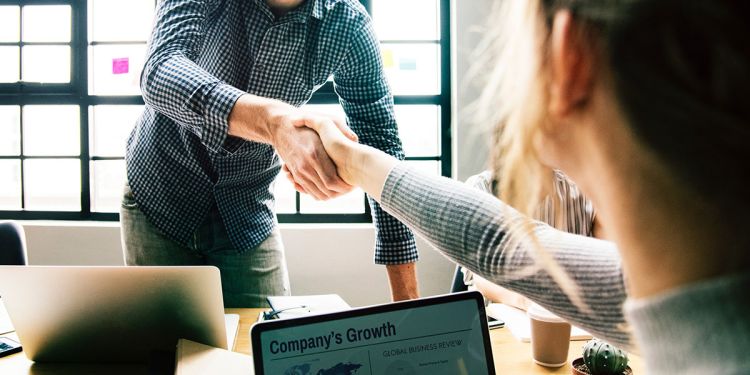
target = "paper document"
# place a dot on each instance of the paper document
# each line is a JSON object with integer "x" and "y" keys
{"x": 198, "y": 359}
{"x": 520, "y": 326}
{"x": 5, "y": 323}
{"x": 232, "y": 324}
{"x": 296, "y": 306}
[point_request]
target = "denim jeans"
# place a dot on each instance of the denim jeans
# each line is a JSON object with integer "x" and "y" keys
{"x": 246, "y": 279}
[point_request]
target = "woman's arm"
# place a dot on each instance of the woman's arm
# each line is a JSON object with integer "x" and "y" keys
{"x": 490, "y": 238}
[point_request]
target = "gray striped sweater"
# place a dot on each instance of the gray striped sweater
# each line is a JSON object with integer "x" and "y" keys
{"x": 484, "y": 235}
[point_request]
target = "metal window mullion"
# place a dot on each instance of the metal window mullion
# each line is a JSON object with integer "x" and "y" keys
{"x": 21, "y": 158}
{"x": 410, "y": 41}
{"x": 105, "y": 158}
{"x": 20, "y": 108}
{"x": 33, "y": 157}
{"x": 23, "y": 44}
{"x": 20, "y": 49}
{"x": 79, "y": 77}
{"x": 423, "y": 158}
{"x": 114, "y": 100}
{"x": 446, "y": 152}
{"x": 117, "y": 42}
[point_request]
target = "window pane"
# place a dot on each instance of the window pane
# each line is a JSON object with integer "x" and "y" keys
{"x": 10, "y": 188}
{"x": 286, "y": 201}
{"x": 52, "y": 184}
{"x": 396, "y": 20}
{"x": 418, "y": 128}
{"x": 429, "y": 167}
{"x": 412, "y": 69}
{"x": 10, "y": 130}
{"x": 107, "y": 181}
{"x": 46, "y": 23}
{"x": 47, "y": 64}
{"x": 51, "y": 130}
{"x": 116, "y": 69}
{"x": 9, "y": 64}
{"x": 111, "y": 126}
{"x": 9, "y": 23}
{"x": 352, "y": 203}
{"x": 118, "y": 20}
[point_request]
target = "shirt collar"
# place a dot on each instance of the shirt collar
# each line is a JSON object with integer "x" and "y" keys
{"x": 310, "y": 8}
{"x": 317, "y": 9}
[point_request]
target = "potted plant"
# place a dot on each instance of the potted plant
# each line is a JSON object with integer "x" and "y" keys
{"x": 600, "y": 358}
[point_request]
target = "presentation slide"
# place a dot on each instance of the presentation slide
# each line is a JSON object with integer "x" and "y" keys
{"x": 439, "y": 339}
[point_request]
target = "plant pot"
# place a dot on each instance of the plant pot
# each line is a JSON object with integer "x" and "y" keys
{"x": 578, "y": 362}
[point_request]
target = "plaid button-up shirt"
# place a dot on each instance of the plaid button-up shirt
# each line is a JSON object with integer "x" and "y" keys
{"x": 203, "y": 55}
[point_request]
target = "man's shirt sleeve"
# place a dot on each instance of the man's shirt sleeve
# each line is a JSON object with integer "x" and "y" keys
{"x": 174, "y": 84}
{"x": 365, "y": 96}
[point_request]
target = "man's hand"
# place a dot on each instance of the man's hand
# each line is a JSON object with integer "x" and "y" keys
{"x": 308, "y": 120}
{"x": 306, "y": 161}
{"x": 357, "y": 164}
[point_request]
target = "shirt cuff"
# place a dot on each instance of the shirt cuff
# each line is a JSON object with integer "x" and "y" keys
{"x": 396, "y": 252}
{"x": 219, "y": 103}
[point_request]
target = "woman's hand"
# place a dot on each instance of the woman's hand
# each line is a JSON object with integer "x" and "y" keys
{"x": 338, "y": 140}
{"x": 273, "y": 122}
{"x": 356, "y": 164}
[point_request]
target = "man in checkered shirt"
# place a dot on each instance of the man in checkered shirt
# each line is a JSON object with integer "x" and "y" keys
{"x": 223, "y": 83}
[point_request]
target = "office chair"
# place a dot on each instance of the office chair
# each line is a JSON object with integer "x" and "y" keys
{"x": 458, "y": 281}
{"x": 12, "y": 244}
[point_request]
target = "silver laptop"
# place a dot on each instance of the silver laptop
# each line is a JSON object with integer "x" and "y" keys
{"x": 443, "y": 335}
{"x": 111, "y": 314}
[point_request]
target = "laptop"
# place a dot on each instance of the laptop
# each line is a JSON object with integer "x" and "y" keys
{"x": 437, "y": 335}
{"x": 111, "y": 314}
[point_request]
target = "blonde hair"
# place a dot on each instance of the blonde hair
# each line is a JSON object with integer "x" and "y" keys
{"x": 514, "y": 98}
{"x": 516, "y": 106}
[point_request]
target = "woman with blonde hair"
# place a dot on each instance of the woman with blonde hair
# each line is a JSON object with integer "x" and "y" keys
{"x": 644, "y": 104}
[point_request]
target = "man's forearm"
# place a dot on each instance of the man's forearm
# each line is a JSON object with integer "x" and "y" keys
{"x": 249, "y": 118}
{"x": 403, "y": 280}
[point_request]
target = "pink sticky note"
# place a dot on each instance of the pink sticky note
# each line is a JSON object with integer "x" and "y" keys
{"x": 120, "y": 65}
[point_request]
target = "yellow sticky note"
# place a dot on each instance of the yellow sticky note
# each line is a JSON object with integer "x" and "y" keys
{"x": 387, "y": 58}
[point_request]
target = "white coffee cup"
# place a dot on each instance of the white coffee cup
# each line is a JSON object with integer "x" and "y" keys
{"x": 550, "y": 337}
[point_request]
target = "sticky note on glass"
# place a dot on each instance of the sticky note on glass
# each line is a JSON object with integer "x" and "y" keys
{"x": 407, "y": 64}
{"x": 387, "y": 58}
{"x": 120, "y": 65}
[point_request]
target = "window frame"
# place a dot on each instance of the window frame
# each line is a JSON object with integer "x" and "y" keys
{"x": 76, "y": 92}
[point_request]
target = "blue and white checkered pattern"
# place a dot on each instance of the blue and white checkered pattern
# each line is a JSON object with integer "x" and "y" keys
{"x": 202, "y": 57}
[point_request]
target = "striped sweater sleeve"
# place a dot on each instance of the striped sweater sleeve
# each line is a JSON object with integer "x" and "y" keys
{"x": 483, "y": 234}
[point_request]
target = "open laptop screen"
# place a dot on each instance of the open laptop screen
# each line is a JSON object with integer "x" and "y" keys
{"x": 438, "y": 335}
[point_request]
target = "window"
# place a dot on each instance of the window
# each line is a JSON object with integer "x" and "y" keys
{"x": 69, "y": 97}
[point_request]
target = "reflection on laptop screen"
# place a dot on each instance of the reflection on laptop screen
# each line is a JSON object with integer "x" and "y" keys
{"x": 442, "y": 338}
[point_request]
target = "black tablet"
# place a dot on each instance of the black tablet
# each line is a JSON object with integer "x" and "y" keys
{"x": 436, "y": 335}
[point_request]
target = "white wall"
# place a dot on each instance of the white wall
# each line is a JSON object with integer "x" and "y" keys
{"x": 322, "y": 258}
{"x": 471, "y": 141}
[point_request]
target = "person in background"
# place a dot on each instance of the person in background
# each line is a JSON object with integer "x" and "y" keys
{"x": 566, "y": 209}
{"x": 644, "y": 105}
{"x": 222, "y": 83}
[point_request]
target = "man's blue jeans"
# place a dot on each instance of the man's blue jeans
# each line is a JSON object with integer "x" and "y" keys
{"x": 246, "y": 279}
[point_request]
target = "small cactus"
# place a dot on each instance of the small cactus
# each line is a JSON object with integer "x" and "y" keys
{"x": 604, "y": 359}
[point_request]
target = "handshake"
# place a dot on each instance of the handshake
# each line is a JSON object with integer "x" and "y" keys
{"x": 316, "y": 148}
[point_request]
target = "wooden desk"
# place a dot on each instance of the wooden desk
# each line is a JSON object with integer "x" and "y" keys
{"x": 511, "y": 356}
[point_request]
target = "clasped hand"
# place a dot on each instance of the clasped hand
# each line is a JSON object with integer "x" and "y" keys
{"x": 308, "y": 162}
